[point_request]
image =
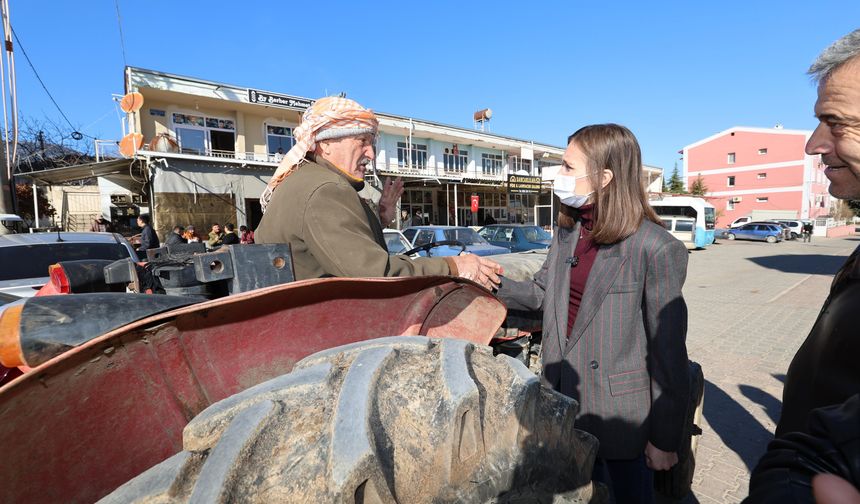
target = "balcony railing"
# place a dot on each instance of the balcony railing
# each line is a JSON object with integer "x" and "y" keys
{"x": 456, "y": 171}
{"x": 256, "y": 157}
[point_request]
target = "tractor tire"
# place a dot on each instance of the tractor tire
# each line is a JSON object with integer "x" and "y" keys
{"x": 677, "y": 482}
{"x": 400, "y": 419}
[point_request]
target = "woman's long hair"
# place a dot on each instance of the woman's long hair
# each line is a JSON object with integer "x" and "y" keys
{"x": 620, "y": 206}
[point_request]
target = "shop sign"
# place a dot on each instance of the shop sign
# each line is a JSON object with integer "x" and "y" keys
{"x": 278, "y": 100}
{"x": 523, "y": 184}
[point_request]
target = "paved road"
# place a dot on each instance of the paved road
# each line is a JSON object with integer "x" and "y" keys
{"x": 751, "y": 306}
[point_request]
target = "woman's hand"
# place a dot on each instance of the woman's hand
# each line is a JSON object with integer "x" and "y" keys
{"x": 659, "y": 460}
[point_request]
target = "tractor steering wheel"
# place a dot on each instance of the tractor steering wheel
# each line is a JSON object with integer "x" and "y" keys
{"x": 434, "y": 244}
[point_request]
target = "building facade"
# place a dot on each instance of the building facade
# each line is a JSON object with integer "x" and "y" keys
{"x": 210, "y": 148}
{"x": 763, "y": 172}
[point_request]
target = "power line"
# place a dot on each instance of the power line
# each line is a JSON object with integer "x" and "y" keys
{"x": 21, "y": 46}
{"x": 121, "y": 38}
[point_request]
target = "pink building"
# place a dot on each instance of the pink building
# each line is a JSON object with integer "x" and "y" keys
{"x": 758, "y": 170}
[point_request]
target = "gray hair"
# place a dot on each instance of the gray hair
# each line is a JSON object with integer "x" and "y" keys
{"x": 840, "y": 52}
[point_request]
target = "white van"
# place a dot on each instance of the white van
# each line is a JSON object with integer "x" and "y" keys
{"x": 682, "y": 228}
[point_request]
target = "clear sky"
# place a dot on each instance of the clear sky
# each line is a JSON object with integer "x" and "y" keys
{"x": 674, "y": 72}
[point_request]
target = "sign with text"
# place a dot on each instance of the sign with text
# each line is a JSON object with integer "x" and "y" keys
{"x": 278, "y": 100}
{"x": 475, "y": 200}
{"x": 523, "y": 184}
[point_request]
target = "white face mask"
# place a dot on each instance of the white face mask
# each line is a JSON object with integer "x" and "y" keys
{"x": 564, "y": 187}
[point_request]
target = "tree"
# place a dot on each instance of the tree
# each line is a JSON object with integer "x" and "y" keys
{"x": 854, "y": 205}
{"x": 698, "y": 188}
{"x": 676, "y": 185}
{"x": 24, "y": 193}
{"x": 43, "y": 144}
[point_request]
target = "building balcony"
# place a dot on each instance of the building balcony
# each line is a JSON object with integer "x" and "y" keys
{"x": 217, "y": 155}
{"x": 451, "y": 172}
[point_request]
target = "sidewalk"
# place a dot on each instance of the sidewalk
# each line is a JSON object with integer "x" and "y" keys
{"x": 751, "y": 305}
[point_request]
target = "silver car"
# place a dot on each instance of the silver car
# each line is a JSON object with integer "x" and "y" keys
{"x": 25, "y": 258}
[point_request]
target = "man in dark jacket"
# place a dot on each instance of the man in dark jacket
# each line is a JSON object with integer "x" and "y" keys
{"x": 824, "y": 371}
{"x": 175, "y": 237}
{"x": 148, "y": 238}
{"x": 230, "y": 237}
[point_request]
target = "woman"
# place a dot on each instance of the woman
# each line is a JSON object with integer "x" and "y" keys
{"x": 614, "y": 319}
{"x": 247, "y": 236}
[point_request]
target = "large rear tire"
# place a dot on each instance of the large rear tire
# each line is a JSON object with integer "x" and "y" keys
{"x": 402, "y": 419}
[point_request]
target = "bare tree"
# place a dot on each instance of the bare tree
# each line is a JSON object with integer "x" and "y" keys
{"x": 44, "y": 144}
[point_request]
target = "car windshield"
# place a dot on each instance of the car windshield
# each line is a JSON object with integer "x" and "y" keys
{"x": 32, "y": 261}
{"x": 466, "y": 236}
{"x": 534, "y": 234}
{"x": 394, "y": 243}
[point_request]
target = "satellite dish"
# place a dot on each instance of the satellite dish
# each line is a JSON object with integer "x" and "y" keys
{"x": 130, "y": 144}
{"x": 131, "y": 102}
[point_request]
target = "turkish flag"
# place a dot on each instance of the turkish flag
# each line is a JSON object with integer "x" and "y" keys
{"x": 474, "y": 203}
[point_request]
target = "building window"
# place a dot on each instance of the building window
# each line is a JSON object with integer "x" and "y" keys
{"x": 414, "y": 158}
{"x": 455, "y": 160}
{"x": 730, "y": 181}
{"x": 205, "y": 135}
{"x": 762, "y": 152}
{"x": 730, "y": 204}
{"x": 761, "y": 176}
{"x": 279, "y": 140}
{"x": 731, "y": 159}
{"x": 761, "y": 200}
{"x": 491, "y": 164}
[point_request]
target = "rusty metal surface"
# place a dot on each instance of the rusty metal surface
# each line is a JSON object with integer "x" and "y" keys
{"x": 91, "y": 419}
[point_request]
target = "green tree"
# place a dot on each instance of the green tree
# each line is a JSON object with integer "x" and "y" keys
{"x": 676, "y": 185}
{"x": 698, "y": 188}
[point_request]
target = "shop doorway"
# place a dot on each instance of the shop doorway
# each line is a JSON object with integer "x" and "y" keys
{"x": 253, "y": 212}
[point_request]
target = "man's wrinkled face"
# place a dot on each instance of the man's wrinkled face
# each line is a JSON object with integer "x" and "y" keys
{"x": 837, "y": 137}
{"x": 350, "y": 154}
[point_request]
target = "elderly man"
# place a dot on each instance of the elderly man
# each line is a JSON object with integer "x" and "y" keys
{"x": 825, "y": 370}
{"x": 312, "y": 203}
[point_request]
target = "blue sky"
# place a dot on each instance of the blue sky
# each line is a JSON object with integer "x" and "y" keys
{"x": 674, "y": 72}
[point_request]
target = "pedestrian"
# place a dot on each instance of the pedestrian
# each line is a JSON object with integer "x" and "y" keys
{"x": 101, "y": 225}
{"x": 247, "y": 236}
{"x": 191, "y": 235}
{"x": 405, "y": 219}
{"x": 614, "y": 317}
{"x": 312, "y": 203}
{"x": 230, "y": 237}
{"x": 148, "y": 238}
{"x": 807, "y": 232}
{"x": 175, "y": 236}
{"x": 824, "y": 370}
{"x": 215, "y": 236}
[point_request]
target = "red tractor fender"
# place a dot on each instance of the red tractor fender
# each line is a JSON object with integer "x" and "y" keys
{"x": 90, "y": 419}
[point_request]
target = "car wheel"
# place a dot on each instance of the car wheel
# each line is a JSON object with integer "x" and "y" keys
{"x": 794, "y": 236}
{"x": 771, "y": 239}
{"x": 731, "y": 236}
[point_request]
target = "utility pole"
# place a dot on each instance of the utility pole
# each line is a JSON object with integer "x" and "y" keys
{"x": 6, "y": 201}
{"x": 7, "y": 163}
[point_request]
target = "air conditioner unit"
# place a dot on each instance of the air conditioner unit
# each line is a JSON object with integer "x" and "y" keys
{"x": 737, "y": 199}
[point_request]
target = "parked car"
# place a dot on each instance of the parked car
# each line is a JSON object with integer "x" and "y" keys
{"x": 794, "y": 226}
{"x": 13, "y": 223}
{"x": 516, "y": 237}
{"x": 475, "y": 244}
{"x": 786, "y": 231}
{"x": 395, "y": 241}
{"x": 740, "y": 221}
{"x": 682, "y": 228}
{"x": 764, "y": 231}
{"x": 25, "y": 258}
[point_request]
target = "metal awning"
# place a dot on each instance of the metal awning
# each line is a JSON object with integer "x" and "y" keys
{"x": 115, "y": 168}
